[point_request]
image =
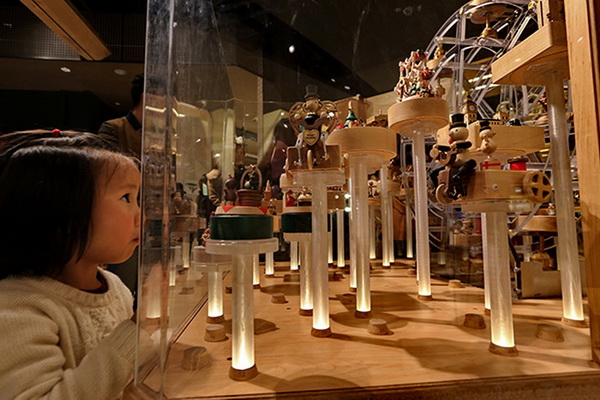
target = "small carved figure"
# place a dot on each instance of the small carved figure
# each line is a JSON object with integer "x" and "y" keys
{"x": 351, "y": 120}
{"x": 453, "y": 180}
{"x": 290, "y": 198}
{"x": 469, "y": 108}
{"x": 312, "y": 121}
{"x": 305, "y": 197}
{"x": 488, "y": 146}
{"x": 415, "y": 77}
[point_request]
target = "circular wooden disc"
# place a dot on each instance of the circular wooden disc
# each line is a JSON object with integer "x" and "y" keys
{"x": 362, "y": 314}
{"x": 243, "y": 374}
{"x": 503, "y": 351}
{"x": 406, "y": 116}
{"x": 320, "y": 332}
{"x": 365, "y": 140}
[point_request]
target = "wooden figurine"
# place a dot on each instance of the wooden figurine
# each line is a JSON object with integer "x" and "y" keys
{"x": 453, "y": 180}
{"x": 312, "y": 120}
{"x": 488, "y": 146}
{"x": 469, "y": 109}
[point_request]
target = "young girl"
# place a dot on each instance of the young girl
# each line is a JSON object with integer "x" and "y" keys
{"x": 67, "y": 205}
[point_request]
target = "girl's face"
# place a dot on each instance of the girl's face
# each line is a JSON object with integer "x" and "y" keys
{"x": 115, "y": 228}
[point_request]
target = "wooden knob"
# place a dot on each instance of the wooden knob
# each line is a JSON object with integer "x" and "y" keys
{"x": 378, "y": 326}
{"x": 215, "y": 333}
{"x": 474, "y": 321}
{"x": 195, "y": 358}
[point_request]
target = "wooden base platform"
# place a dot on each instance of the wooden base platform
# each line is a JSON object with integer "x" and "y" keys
{"x": 429, "y": 354}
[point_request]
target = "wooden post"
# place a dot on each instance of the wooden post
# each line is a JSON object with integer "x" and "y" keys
{"x": 583, "y": 29}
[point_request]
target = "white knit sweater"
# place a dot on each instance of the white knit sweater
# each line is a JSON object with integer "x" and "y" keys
{"x": 58, "y": 342}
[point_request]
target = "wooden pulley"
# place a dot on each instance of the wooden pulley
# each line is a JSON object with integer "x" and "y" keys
{"x": 537, "y": 187}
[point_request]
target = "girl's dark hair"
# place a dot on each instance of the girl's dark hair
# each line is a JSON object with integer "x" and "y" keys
{"x": 47, "y": 191}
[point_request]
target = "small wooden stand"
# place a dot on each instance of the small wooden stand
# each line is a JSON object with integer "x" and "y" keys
{"x": 417, "y": 118}
{"x": 365, "y": 149}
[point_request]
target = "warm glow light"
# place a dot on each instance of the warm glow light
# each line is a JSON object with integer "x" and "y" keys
{"x": 294, "y": 256}
{"x": 255, "y": 270}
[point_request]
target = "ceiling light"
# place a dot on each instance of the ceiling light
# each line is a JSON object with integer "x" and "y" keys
{"x": 292, "y": 49}
{"x": 65, "y": 69}
{"x": 120, "y": 71}
{"x": 347, "y": 87}
{"x": 333, "y": 80}
{"x": 64, "y": 19}
{"x": 117, "y": 103}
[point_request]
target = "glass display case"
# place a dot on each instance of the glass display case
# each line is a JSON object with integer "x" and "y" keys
{"x": 233, "y": 87}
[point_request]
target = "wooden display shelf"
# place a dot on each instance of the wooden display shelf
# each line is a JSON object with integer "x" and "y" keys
{"x": 512, "y": 141}
{"x": 521, "y": 65}
{"x": 429, "y": 349}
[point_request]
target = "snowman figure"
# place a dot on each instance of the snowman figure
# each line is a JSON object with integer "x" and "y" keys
{"x": 454, "y": 179}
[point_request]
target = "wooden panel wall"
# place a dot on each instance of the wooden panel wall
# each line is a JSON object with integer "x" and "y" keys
{"x": 583, "y": 25}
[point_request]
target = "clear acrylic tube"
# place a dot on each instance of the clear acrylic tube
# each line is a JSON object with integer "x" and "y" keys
{"x": 185, "y": 250}
{"x": 360, "y": 227}
{"x": 390, "y": 221}
{"x": 409, "y": 232}
{"x": 242, "y": 314}
{"x": 486, "y": 261}
{"x": 422, "y": 212}
{"x": 269, "y": 264}
{"x": 496, "y": 227}
{"x": 567, "y": 251}
{"x": 294, "y": 256}
{"x": 385, "y": 209}
{"x": 319, "y": 273}
{"x": 255, "y": 270}
{"x": 215, "y": 292}
{"x": 352, "y": 242}
{"x": 330, "y": 239}
{"x": 318, "y": 181}
{"x": 341, "y": 262}
{"x": 306, "y": 297}
{"x": 372, "y": 230}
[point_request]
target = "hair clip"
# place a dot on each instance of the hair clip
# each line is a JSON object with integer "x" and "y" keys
{"x": 55, "y": 132}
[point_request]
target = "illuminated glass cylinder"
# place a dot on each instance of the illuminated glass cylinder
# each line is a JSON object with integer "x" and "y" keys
{"x": 185, "y": 251}
{"x": 385, "y": 216}
{"x": 357, "y": 163}
{"x": 306, "y": 297}
{"x": 294, "y": 256}
{"x": 390, "y": 222}
{"x": 486, "y": 262}
{"x": 341, "y": 262}
{"x": 215, "y": 292}
{"x": 409, "y": 232}
{"x": 318, "y": 181}
{"x": 421, "y": 210}
{"x": 242, "y": 321}
{"x": 567, "y": 248}
{"x": 496, "y": 242}
{"x": 330, "y": 240}
{"x": 255, "y": 270}
{"x": 352, "y": 242}
{"x": 372, "y": 247}
{"x": 269, "y": 264}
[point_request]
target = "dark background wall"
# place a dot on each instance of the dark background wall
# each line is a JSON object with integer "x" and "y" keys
{"x": 23, "y": 109}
